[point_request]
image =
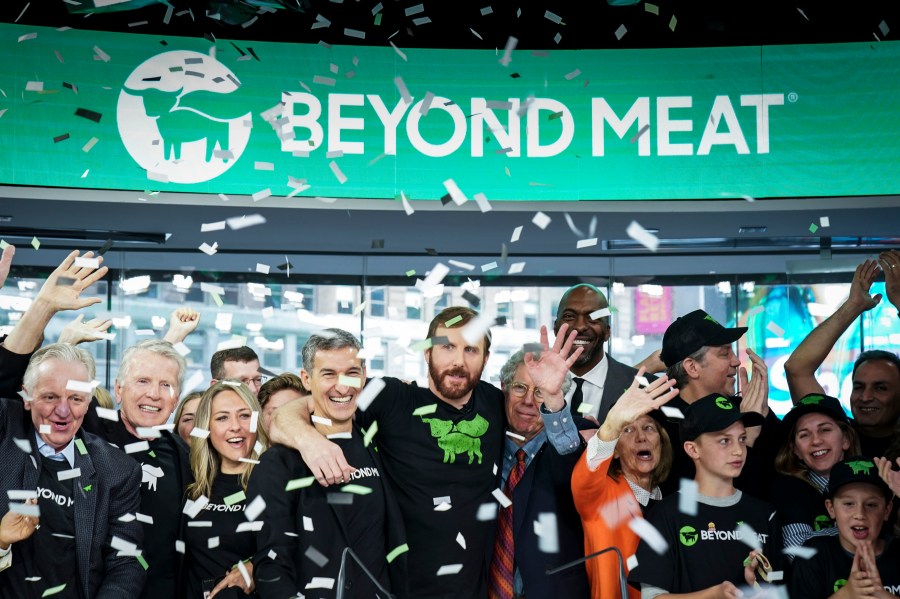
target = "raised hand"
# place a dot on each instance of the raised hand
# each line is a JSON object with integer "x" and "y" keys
{"x": 636, "y": 402}
{"x": 859, "y": 287}
{"x": 5, "y": 262}
{"x": 888, "y": 474}
{"x": 182, "y": 323}
{"x": 755, "y": 390}
{"x": 15, "y": 527}
{"x": 548, "y": 369}
{"x": 890, "y": 263}
{"x": 62, "y": 289}
{"x": 234, "y": 578}
{"x": 79, "y": 331}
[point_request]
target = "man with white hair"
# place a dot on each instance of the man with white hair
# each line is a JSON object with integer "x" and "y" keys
{"x": 84, "y": 489}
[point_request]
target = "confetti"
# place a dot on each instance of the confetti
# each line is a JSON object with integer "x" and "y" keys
{"x": 552, "y": 17}
{"x": 513, "y": 435}
{"x": 137, "y": 446}
{"x": 824, "y": 221}
{"x": 800, "y": 551}
{"x": 35, "y": 243}
{"x": 488, "y": 266}
{"x": 356, "y": 489}
{"x": 107, "y": 414}
{"x": 425, "y": 410}
{"x": 585, "y": 243}
{"x": 672, "y": 413}
{"x": 320, "y": 582}
{"x": 300, "y": 483}
{"x": 601, "y": 313}
{"x": 404, "y": 93}
{"x": 501, "y": 498}
{"x": 775, "y": 329}
{"x": 320, "y": 420}
{"x": 235, "y": 498}
{"x": 262, "y": 194}
{"x": 255, "y": 508}
{"x": 649, "y": 535}
{"x": 397, "y": 552}
{"x": 25, "y": 509}
{"x": 813, "y": 228}
{"x": 541, "y": 220}
{"x": 88, "y": 114}
{"x": 516, "y": 234}
{"x": 620, "y": 32}
{"x": 209, "y": 250}
{"x": 673, "y": 22}
{"x": 248, "y": 220}
{"x": 449, "y": 569}
{"x": 642, "y": 236}
{"x": 200, "y": 433}
{"x": 458, "y": 197}
{"x": 21, "y": 495}
{"x": 350, "y": 381}
{"x": 515, "y": 268}
{"x": 53, "y": 590}
{"x": 68, "y": 474}
{"x": 511, "y": 44}
{"x": 401, "y": 55}
{"x": 687, "y": 497}
{"x": 487, "y": 511}
{"x": 545, "y": 527}
{"x": 262, "y": 268}
{"x": 652, "y": 9}
{"x": 314, "y": 555}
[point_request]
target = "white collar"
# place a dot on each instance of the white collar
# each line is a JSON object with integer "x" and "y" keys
{"x": 68, "y": 451}
{"x": 597, "y": 375}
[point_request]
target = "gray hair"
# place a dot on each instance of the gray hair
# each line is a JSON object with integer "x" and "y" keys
{"x": 63, "y": 352}
{"x": 154, "y": 346}
{"x": 508, "y": 372}
{"x": 326, "y": 340}
{"x": 679, "y": 374}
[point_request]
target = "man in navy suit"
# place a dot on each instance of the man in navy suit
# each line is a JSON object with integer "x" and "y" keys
{"x": 88, "y": 542}
{"x": 543, "y": 439}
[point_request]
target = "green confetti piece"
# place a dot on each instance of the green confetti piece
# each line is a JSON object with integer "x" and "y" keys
{"x": 143, "y": 562}
{"x": 151, "y": 454}
{"x": 555, "y": 115}
{"x": 396, "y": 552}
{"x": 235, "y": 498}
{"x": 425, "y": 410}
{"x": 53, "y": 590}
{"x": 80, "y": 445}
{"x": 453, "y": 321}
{"x": 421, "y": 345}
{"x": 217, "y": 299}
{"x": 411, "y": 273}
{"x": 370, "y": 433}
{"x": 36, "y": 244}
{"x": 89, "y": 487}
{"x": 356, "y": 489}
{"x": 3, "y": 244}
{"x": 299, "y": 483}
{"x": 378, "y": 19}
{"x": 813, "y": 228}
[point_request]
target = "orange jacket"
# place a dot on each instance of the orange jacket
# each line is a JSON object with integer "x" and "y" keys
{"x": 606, "y": 506}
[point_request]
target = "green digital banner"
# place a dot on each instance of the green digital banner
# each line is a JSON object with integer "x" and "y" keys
{"x": 148, "y": 113}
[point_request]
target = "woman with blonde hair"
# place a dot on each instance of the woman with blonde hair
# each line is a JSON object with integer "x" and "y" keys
{"x": 227, "y": 440}
{"x": 819, "y": 436}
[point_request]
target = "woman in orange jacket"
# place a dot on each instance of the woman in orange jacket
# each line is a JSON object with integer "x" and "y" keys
{"x": 617, "y": 478}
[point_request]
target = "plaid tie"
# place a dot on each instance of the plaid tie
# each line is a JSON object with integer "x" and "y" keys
{"x": 502, "y": 563}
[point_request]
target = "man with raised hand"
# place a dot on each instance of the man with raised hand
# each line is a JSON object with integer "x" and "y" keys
{"x": 875, "y": 399}
{"x": 599, "y": 379}
{"x": 87, "y": 491}
{"x": 442, "y": 448}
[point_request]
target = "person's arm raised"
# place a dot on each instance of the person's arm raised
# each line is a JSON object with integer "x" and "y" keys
{"x": 182, "y": 323}
{"x": 291, "y": 427}
{"x": 55, "y": 296}
{"x": 801, "y": 367}
{"x": 5, "y": 263}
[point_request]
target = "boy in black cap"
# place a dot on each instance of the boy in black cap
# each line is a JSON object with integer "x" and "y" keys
{"x": 710, "y": 550}
{"x": 860, "y": 561}
{"x": 698, "y": 354}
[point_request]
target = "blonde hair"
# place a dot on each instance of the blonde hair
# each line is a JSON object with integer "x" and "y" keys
{"x": 787, "y": 462}
{"x": 205, "y": 460}
{"x": 104, "y": 398}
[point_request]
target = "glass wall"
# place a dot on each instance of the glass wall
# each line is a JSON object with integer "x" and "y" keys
{"x": 276, "y": 319}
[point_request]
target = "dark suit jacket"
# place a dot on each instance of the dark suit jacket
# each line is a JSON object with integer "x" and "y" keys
{"x": 113, "y": 480}
{"x": 618, "y": 378}
{"x": 546, "y": 487}
{"x": 290, "y": 570}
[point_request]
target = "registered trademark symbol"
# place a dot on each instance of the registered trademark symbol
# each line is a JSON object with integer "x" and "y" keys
{"x": 793, "y": 97}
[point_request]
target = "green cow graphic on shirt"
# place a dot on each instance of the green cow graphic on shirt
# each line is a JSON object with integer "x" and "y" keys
{"x": 812, "y": 400}
{"x": 458, "y": 437}
{"x": 723, "y": 404}
{"x": 688, "y": 536}
{"x": 821, "y": 522}
{"x": 861, "y": 466}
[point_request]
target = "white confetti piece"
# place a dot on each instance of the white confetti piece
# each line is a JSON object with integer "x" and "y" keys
{"x": 513, "y": 435}
{"x": 249, "y": 526}
{"x": 263, "y": 166}
{"x": 81, "y": 386}
{"x": 399, "y": 53}
{"x": 320, "y": 582}
{"x": 137, "y": 446}
{"x": 516, "y": 234}
{"x": 458, "y": 197}
{"x": 144, "y": 518}
{"x": 255, "y": 508}
{"x": 687, "y": 497}
{"x": 775, "y": 329}
{"x": 25, "y": 509}
{"x": 248, "y": 582}
{"x": 642, "y": 380}
{"x": 262, "y": 268}
{"x": 585, "y": 408}
{"x": 573, "y": 74}
{"x": 488, "y": 266}
{"x": 541, "y": 220}
{"x": 212, "y": 542}
{"x": 437, "y": 274}
{"x": 511, "y": 44}
{"x": 462, "y": 265}
{"x": 515, "y": 268}
{"x": 369, "y": 393}
{"x": 442, "y": 507}
{"x": 554, "y": 18}
{"x": 200, "y": 433}
{"x": 824, "y": 221}
{"x": 673, "y": 413}
{"x": 631, "y": 563}
{"x": 642, "y": 236}
{"x": 262, "y": 194}
{"x": 21, "y": 495}
{"x": 648, "y": 533}
{"x": 23, "y": 444}
{"x": 404, "y": 93}
{"x": 475, "y": 330}
{"x": 501, "y": 498}
{"x": 461, "y": 540}
{"x": 209, "y": 250}
{"x": 621, "y": 31}
{"x": 487, "y": 511}
{"x": 34, "y": 86}
{"x": 748, "y": 536}
{"x": 338, "y": 173}
{"x": 217, "y": 226}
{"x": 248, "y": 220}
{"x": 87, "y": 262}
{"x": 107, "y": 414}
{"x": 586, "y": 243}
{"x": 320, "y": 420}
{"x": 449, "y": 569}
{"x": 800, "y": 551}
{"x": 68, "y": 474}
{"x": 350, "y": 381}
{"x": 601, "y": 313}
{"x": 482, "y": 202}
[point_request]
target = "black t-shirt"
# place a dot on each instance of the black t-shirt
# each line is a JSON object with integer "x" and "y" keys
{"x": 829, "y": 569}
{"x": 873, "y": 447}
{"x": 705, "y": 550}
{"x": 364, "y": 520}
{"x": 56, "y": 561}
{"x": 162, "y": 489}
{"x": 798, "y": 502}
{"x": 451, "y": 455}
{"x": 207, "y": 566}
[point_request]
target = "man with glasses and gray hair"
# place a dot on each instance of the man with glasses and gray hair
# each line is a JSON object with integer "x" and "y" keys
{"x": 80, "y": 488}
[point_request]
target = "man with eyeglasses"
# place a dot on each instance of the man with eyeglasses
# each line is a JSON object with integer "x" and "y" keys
{"x": 541, "y": 449}
{"x": 237, "y": 364}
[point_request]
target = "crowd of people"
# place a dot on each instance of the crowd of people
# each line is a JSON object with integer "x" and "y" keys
{"x": 578, "y": 477}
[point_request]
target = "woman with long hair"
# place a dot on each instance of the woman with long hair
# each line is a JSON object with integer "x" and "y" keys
{"x": 819, "y": 436}
{"x": 226, "y": 442}
{"x": 618, "y": 477}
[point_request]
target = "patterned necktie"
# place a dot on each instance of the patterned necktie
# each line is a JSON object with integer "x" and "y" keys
{"x": 577, "y": 395}
{"x": 502, "y": 563}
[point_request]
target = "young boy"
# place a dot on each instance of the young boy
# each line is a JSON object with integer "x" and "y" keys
{"x": 706, "y": 552}
{"x": 860, "y": 561}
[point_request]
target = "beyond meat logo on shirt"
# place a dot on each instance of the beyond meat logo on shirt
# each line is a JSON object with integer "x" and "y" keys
{"x": 688, "y": 535}
{"x": 458, "y": 437}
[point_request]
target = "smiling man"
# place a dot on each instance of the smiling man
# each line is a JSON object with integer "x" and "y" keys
{"x": 599, "y": 379}
{"x": 84, "y": 487}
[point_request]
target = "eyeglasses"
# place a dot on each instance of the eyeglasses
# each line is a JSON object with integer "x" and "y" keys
{"x": 521, "y": 390}
{"x": 257, "y": 381}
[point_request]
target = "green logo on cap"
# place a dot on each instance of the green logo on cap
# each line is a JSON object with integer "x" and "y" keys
{"x": 861, "y": 466}
{"x": 812, "y": 400}
{"x": 711, "y": 319}
{"x": 723, "y": 403}
{"x": 821, "y": 522}
{"x": 688, "y": 536}
{"x": 839, "y": 583}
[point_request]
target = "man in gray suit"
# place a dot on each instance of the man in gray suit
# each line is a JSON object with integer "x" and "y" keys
{"x": 599, "y": 380}
{"x": 87, "y": 492}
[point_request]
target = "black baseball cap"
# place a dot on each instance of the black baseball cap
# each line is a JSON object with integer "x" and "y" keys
{"x": 858, "y": 469}
{"x": 691, "y": 332}
{"x": 815, "y": 403}
{"x": 712, "y": 414}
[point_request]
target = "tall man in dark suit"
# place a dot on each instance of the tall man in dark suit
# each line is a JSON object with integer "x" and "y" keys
{"x": 541, "y": 449}
{"x": 86, "y": 546}
{"x": 599, "y": 380}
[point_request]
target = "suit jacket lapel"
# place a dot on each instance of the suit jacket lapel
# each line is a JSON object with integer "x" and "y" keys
{"x": 85, "y": 493}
